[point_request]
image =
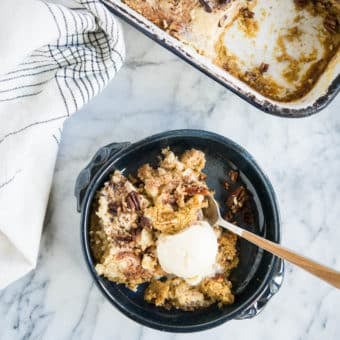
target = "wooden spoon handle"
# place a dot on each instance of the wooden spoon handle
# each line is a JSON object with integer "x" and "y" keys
{"x": 324, "y": 273}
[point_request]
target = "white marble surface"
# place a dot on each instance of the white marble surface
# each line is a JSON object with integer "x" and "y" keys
{"x": 155, "y": 91}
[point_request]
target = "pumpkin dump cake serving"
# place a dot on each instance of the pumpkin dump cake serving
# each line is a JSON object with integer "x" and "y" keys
{"x": 151, "y": 229}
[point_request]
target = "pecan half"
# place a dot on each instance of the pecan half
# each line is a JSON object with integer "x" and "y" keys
{"x": 207, "y": 4}
{"x": 331, "y": 23}
{"x": 130, "y": 203}
{"x": 132, "y": 200}
{"x": 263, "y": 67}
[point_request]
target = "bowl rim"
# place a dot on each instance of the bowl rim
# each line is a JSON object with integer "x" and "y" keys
{"x": 85, "y": 219}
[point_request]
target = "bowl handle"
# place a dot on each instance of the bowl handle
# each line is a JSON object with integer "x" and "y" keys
{"x": 270, "y": 290}
{"x": 99, "y": 159}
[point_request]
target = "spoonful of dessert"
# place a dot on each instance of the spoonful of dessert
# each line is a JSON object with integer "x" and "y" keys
{"x": 213, "y": 216}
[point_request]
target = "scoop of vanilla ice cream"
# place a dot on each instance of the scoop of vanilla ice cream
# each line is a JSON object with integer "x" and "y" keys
{"x": 190, "y": 254}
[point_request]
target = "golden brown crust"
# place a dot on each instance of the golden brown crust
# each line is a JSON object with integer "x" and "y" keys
{"x": 157, "y": 292}
{"x": 128, "y": 221}
{"x": 218, "y": 289}
{"x": 227, "y": 253}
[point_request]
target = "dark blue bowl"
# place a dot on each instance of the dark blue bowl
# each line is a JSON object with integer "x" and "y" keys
{"x": 259, "y": 274}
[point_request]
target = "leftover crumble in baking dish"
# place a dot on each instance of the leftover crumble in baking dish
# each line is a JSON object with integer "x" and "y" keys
{"x": 279, "y": 48}
{"x": 131, "y": 214}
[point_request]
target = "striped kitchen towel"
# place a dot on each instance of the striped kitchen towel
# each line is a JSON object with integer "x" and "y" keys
{"x": 54, "y": 57}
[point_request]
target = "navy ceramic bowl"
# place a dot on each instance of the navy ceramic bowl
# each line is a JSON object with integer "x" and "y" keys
{"x": 259, "y": 274}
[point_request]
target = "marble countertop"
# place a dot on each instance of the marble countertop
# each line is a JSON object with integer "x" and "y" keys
{"x": 154, "y": 92}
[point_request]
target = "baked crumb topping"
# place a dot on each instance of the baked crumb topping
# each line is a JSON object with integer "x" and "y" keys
{"x": 129, "y": 215}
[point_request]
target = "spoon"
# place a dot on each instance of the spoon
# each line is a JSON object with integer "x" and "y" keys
{"x": 213, "y": 216}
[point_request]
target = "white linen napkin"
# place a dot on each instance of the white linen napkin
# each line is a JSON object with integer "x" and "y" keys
{"x": 54, "y": 57}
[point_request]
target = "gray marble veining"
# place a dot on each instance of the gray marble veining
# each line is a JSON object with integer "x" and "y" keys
{"x": 156, "y": 91}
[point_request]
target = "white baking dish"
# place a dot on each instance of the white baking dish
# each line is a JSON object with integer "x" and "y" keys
{"x": 325, "y": 89}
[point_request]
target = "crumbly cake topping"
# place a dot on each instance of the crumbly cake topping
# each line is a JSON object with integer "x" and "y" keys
{"x": 131, "y": 214}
